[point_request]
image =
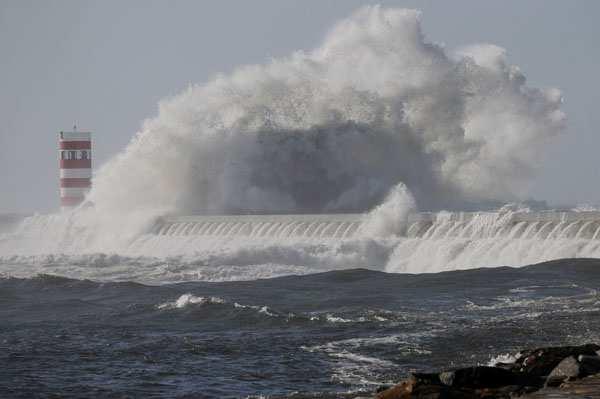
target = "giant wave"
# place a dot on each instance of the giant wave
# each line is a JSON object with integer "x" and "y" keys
{"x": 376, "y": 121}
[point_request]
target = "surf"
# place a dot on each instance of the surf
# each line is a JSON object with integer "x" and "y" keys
{"x": 335, "y": 147}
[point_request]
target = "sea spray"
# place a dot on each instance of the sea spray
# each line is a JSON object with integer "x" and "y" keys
{"x": 375, "y": 110}
{"x": 335, "y": 128}
{"x": 391, "y": 217}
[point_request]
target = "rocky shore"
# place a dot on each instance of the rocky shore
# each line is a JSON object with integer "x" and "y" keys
{"x": 557, "y": 372}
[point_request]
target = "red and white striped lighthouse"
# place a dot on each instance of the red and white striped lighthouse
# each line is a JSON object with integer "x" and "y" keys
{"x": 75, "y": 153}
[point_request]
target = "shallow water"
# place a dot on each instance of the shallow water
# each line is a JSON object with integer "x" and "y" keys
{"x": 339, "y": 331}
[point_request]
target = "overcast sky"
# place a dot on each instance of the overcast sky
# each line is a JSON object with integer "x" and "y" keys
{"x": 105, "y": 64}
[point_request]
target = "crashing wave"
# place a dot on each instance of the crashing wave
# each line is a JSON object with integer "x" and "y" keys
{"x": 376, "y": 120}
{"x": 186, "y": 300}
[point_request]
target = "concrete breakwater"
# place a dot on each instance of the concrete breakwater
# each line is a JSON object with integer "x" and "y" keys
{"x": 326, "y": 225}
{"x": 427, "y": 225}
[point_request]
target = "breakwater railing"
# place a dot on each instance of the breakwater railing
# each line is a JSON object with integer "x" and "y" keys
{"x": 432, "y": 225}
{"x": 325, "y": 225}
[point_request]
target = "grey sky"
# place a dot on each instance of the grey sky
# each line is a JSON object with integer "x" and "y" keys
{"x": 106, "y": 64}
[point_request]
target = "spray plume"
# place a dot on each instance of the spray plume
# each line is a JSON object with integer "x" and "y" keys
{"x": 336, "y": 128}
{"x": 376, "y": 118}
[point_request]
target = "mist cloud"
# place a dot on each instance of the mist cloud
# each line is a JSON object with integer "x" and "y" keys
{"x": 336, "y": 128}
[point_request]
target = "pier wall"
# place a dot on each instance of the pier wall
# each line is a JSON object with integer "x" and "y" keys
{"x": 542, "y": 224}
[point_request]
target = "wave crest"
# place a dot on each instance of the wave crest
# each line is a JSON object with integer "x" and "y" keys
{"x": 337, "y": 127}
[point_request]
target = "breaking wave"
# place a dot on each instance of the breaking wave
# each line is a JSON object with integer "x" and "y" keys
{"x": 336, "y": 128}
{"x": 377, "y": 119}
{"x": 426, "y": 244}
{"x": 192, "y": 302}
{"x": 189, "y": 299}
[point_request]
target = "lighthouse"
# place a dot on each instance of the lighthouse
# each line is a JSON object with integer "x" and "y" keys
{"x": 75, "y": 154}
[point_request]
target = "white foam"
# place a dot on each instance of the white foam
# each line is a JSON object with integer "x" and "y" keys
{"x": 261, "y": 309}
{"x": 491, "y": 240}
{"x": 352, "y": 367}
{"x": 375, "y": 118}
{"x": 186, "y": 300}
{"x": 189, "y": 300}
{"x": 446, "y": 243}
{"x": 506, "y": 358}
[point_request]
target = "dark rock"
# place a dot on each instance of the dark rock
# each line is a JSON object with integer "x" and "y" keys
{"x": 412, "y": 388}
{"x": 443, "y": 392}
{"x": 589, "y": 364}
{"x": 553, "y": 366}
{"x": 426, "y": 378}
{"x": 466, "y": 383}
{"x": 495, "y": 393}
{"x": 402, "y": 390}
{"x": 505, "y": 392}
{"x": 567, "y": 369}
{"x": 485, "y": 377}
{"x": 505, "y": 366}
{"x": 540, "y": 362}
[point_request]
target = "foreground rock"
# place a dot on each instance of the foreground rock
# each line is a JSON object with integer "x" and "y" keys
{"x": 542, "y": 361}
{"x": 532, "y": 371}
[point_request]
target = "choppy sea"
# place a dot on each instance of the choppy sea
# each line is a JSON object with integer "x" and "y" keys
{"x": 317, "y": 335}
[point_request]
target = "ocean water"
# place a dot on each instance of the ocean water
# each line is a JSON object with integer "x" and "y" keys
{"x": 322, "y": 334}
{"x": 377, "y": 120}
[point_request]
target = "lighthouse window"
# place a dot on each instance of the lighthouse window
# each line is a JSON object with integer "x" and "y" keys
{"x": 63, "y": 155}
{"x": 84, "y": 155}
{"x": 72, "y": 154}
